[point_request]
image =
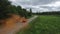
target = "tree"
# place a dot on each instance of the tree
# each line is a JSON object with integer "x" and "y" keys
{"x": 30, "y": 14}
{"x": 4, "y": 7}
{"x": 13, "y": 9}
{"x": 20, "y": 10}
{"x": 25, "y": 13}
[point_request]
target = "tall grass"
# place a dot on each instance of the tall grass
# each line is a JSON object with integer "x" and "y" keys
{"x": 44, "y": 25}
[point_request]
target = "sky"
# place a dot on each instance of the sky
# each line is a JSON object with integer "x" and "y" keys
{"x": 38, "y": 5}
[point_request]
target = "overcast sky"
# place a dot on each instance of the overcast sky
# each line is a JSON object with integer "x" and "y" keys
{"x": 38, "y": 5}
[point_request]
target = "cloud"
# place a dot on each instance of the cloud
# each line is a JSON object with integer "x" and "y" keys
{"x": 33, "y": 2}
{"x": 55, "y": 4}
{"x": 38, "y": 5}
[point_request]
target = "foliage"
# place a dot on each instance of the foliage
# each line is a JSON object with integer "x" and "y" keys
{"x": 30, "y": 14}
{"x": 6, "y": 8}
{"x": 48, "y": 13}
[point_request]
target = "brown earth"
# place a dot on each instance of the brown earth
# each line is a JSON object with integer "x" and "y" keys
{"x": 10, "y": 23}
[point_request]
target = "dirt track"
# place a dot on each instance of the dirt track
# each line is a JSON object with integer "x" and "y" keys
{"x": 13, "y": 28}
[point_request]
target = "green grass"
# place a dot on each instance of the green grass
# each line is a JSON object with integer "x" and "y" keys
{"x": 44, "y": 25}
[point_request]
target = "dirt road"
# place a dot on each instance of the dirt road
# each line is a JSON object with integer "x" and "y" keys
{"x": 16, "y": 27}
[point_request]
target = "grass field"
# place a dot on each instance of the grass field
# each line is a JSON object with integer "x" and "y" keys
{"x": 44, "y": 25}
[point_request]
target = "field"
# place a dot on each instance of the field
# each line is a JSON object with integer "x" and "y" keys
{"x": 43, "y": 25}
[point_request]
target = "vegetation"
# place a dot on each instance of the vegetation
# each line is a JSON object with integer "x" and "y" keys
{"x": 6, "y": 8}
{"x": 30, "y": 12}
{"x": 48, "y": 13}
{"x": 44, "y": 25}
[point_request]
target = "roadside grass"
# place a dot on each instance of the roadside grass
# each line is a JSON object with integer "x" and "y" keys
{"x": 44, "y": 25}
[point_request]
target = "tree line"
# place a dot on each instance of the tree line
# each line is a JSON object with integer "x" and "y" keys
{"x": 6, "y": 8}
{"x": 48, "y": 13}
